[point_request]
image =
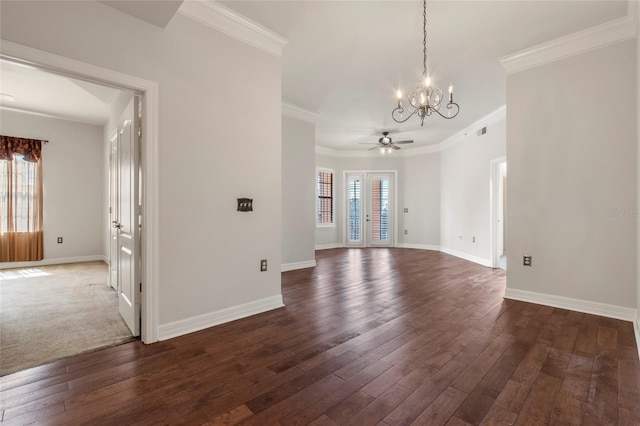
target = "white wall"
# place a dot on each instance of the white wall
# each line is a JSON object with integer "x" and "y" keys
{"x": 572, "y": 177}
{"x": 219, "y": 139}
{"x": 418, "y": 190}
{"x": 420, "y": 193}
{"x": 298, "y": 197}
{"x": 72, "y": 181}
{"x": 465, "y": 192}
{"x": 331, "y": 236}
{"x": 638, "y": 168}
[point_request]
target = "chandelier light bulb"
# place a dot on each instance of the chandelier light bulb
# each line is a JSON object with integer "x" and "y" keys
{"x": 399, "y": 94}
{"x": 427, "y": 82}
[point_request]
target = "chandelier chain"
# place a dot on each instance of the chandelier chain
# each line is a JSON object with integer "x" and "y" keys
{"x": 424, "y": 39}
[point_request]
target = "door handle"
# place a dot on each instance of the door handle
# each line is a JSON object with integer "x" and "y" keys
{"x": 116, "y": 224}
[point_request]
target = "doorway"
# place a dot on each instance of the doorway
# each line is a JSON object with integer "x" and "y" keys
{"x": 499, "y": 213}
{"x": 370, "y": 208}
{"x": 148, "y": 154}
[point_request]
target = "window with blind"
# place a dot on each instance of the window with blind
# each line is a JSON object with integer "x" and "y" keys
{"x": 325, "y": 204}
{"x": 355, "y": 211}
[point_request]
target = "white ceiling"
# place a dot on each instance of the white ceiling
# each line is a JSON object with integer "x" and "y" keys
{"x": 346, "y": 59}
{"x": 41, "y": 92}
{"x": 158, "y": 13}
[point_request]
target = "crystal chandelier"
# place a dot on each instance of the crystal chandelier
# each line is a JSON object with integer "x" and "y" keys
{"x": 426, "y": 99}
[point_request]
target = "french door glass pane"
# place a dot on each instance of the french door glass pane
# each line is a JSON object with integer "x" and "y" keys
{"x": 380, "y": 209}
{"x": 355, "y": 215}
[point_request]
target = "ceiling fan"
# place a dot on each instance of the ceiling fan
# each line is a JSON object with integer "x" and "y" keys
{"x": 385, "y": 142}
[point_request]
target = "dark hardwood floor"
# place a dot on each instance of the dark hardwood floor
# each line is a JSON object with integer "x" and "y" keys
{"x": 375, "y": 336}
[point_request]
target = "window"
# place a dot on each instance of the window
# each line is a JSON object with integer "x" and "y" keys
{"x": 21, "y": 236}
{"x": 324, "y": 191}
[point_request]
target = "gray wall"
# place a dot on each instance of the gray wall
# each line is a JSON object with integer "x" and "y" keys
{"x": 572, "y": 177}
{"x": 72, "y": 181}
{"x": 298, "y": 197}
{"x": 214, "y": 144}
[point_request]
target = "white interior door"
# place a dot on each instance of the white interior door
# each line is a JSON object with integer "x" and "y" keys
{"x": 113, "y": 210}
{"x": 128, "y": 222}
{"x": 379, "y": 216}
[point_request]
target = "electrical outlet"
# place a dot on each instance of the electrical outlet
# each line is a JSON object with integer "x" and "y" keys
{"x": 526, "y": 260}
{"x": 406, "y": 232}
{"x": 473, "y": 240}
{"x": 59, "y": 240}
{"x": 406, "y": 210}
{"x": 263, "y": 265}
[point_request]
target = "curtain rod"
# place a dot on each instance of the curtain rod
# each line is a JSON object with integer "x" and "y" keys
{"x": 16, "y": 137}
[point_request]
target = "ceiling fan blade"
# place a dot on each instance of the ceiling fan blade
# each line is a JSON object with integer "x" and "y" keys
{"x": 393, "y": 145}
{"x": 371, "y": 149}
{"x": 367, "y": 143}
{"x": 399, "y": 142}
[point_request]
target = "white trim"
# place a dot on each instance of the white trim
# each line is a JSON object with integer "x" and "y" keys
{"x": 494, "y": 190}
{"x": 418, "y": 246}
{"x": 150, "y": 253}
{"x": 54, "y": 116}
{"x": 489, "y": 119}
{"x": 231, "y": 23}
{"x": 200, "y": 322}
{"x": 294, "y": 111}
{"x": 471, "y": 258}
{"x": 328, "y": 246}
{"x": 54, "y": 261}
{"x": 636, "y": 329}
{"x": 579, "y": 305}
{"x": 607, "y": 33}
{"x": 297, "y": 265}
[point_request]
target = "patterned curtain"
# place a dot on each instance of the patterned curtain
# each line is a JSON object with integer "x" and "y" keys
{"x": 30, "y": 149}
{"x": 21, "y": 237}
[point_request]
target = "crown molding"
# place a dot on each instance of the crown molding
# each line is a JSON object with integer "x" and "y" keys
{"x": 607, "y": 33}
{"x": 231, "y": 23}
{"x": 294, "y": 111}
{"x": 54, "y": 116}
{"x": 491, "y": 118}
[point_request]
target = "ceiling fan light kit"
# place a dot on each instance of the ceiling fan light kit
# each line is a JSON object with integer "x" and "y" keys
{"x": 426, "y": 99}
{"x": 386, "y": 144}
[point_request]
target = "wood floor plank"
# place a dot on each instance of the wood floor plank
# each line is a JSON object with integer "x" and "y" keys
{"x": 368, "y": 337}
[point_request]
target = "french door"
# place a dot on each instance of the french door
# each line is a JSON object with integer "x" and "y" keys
{"x": 370, "y": 209}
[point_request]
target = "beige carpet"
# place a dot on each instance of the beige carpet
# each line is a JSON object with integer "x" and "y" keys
{"x": 53, "y": 312}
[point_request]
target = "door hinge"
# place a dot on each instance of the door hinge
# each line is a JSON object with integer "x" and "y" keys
{"x": 140, "y": 287}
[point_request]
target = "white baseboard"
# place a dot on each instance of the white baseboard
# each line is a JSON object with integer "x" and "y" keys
{"x": 328, "y": 246}
{"x": 297, "y": 265}
{"x": 471, "y": 258}
{"x": 54, "y": 261}
{"x": 636, "y": 328}
{"x": 200, "y": 322}
{"x": 418, "y": 246}
{"x": 579, "y": 305}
